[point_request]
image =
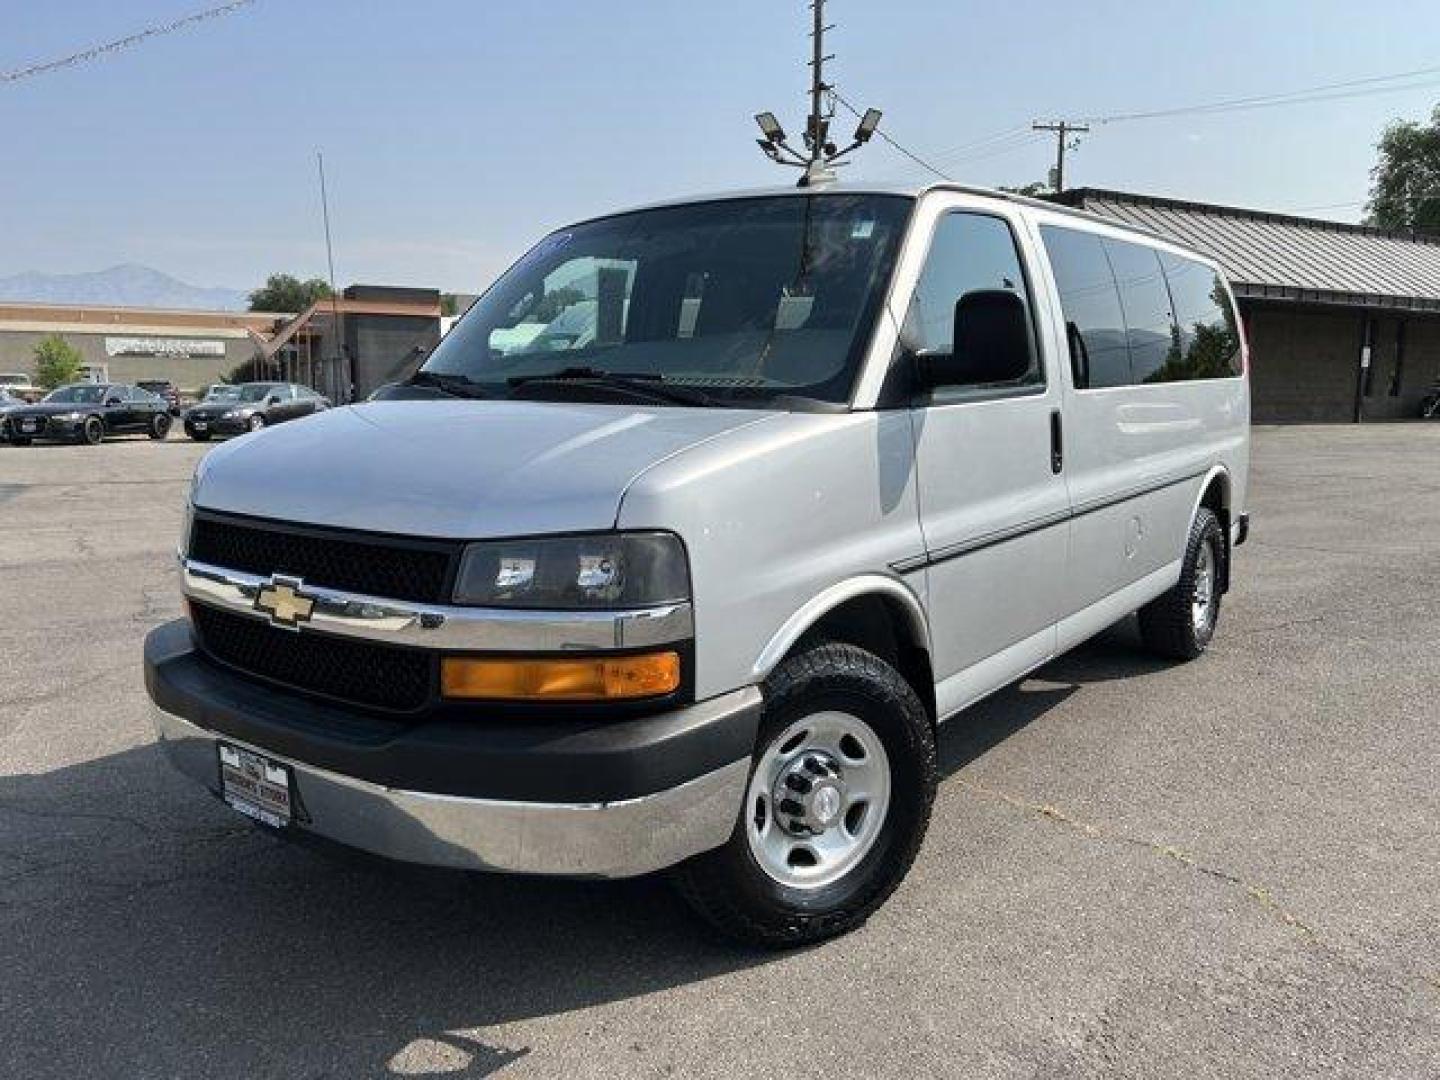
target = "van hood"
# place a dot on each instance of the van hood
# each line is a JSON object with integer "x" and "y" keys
{"x": 461, "y": 469}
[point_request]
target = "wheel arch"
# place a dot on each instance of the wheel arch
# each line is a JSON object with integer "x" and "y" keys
{"x": 872, "y": 611}
{"x": 1215, "y": 494}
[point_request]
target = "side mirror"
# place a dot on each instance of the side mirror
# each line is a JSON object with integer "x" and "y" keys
{"x": 991, "y": 343}
{"x": 272, "y": 400}
{"x": 111, "y": 401}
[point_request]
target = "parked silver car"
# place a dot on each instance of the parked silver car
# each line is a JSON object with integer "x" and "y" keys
{"x": 691, "y": 585}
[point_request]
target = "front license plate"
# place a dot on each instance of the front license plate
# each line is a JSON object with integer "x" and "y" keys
{"x": 29, "y": 425}
{"x": 255, "y": 785}
{"x": 200, "y": 425}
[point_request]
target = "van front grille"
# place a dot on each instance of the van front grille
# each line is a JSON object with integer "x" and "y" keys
{"x": 377, "y": 676}
{"x": 381, "y": 566}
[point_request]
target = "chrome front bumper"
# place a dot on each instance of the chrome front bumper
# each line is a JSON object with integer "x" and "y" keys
{"x": 607, "y": 840}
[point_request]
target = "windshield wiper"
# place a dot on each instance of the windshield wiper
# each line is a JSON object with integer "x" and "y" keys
{"x": 643, "y": 383}
{"x": 454, "y": 385}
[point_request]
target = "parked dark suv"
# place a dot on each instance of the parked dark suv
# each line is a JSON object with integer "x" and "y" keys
{"x": 87, "y": 412}
{"x": 233, "y": 410}
{"x": 163, "y": 388}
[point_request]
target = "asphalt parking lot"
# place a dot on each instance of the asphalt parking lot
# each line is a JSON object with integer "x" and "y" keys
{"x": 1229, "y": 868}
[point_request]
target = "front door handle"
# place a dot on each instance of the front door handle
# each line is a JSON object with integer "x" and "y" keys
{"x": 1057, "y": 442}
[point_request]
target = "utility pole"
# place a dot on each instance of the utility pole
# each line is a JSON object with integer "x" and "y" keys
{"x": 820, "y": 152}
{"x": 1063, "y": 130}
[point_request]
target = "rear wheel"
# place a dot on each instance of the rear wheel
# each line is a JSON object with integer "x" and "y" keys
{"x": 836, "y": 807}
{"x": 92, "y": 431}
{"x": 159, "y": 426}
{"x": 1181, "y": 623}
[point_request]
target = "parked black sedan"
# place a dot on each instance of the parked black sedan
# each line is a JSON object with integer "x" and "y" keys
{"x": 235, "y": 409}
{"x": 87, "y": 412}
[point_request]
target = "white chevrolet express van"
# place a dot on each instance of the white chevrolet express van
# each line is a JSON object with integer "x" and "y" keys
{"x": 689, "y": 534}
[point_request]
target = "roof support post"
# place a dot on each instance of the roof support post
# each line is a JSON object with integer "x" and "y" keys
{"x": 1367, "y": 349}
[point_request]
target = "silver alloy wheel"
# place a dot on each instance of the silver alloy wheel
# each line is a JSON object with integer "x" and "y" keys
{"x": 256, "y": 422}
{"x": 1202, "y": 602}
{"x": 817, "y": 799}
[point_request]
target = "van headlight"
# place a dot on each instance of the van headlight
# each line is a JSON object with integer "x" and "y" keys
{"x": 594, "y": 571}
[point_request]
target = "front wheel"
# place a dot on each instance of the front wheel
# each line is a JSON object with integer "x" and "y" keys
{"x": 1180, "y": 624}
{"x": 837, "y": 804}
{"x": 159, "y": 426}
{"x": 92, "y": 431}
{"x": 256, "y": 422}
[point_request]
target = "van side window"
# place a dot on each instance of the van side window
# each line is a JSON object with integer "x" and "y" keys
{"x": 1149, "y": 326}
{"x": 1094, "y": 323}
{"x": 1209, "y": 334}
{"x": 969, "y": 252}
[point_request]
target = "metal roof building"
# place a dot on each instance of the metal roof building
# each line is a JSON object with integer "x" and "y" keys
{"x": 1344, "y": 320}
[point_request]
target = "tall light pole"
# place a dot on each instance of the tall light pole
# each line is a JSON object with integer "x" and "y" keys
{"x": 334, "y": 303}
{"x": 820, "y": 153}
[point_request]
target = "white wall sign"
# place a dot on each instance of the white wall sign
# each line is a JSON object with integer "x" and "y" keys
{"x": 168, "y": 347}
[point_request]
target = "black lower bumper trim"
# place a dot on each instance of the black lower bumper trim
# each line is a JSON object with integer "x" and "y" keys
{"x": 539, "y": 758}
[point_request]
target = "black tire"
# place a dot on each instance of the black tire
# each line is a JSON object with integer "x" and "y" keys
{"x": 729, "y": 889}
{"x": 199, "y": 436}
{"x": 256, "y": 422}
{"x": 1168, "y": 624}
{"x": 159, "y": 426}
{"x": 92, "y": 432}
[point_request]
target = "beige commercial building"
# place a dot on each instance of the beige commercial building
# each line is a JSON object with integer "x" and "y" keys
{"x": 343, "y": 348}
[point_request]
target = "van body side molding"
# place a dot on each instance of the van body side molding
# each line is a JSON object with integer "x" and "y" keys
{"x": 1025, "y": 528}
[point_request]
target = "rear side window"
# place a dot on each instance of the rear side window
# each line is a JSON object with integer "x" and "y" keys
{"x": 1209, "y": 338}
{"x": 1149, "y": 327}
{"x": 1094, "y": 322}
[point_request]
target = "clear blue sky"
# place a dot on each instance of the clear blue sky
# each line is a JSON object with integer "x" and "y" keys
{"x": 456, "y": 131}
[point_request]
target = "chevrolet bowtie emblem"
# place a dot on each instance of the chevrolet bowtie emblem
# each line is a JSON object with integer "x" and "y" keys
{"x": 280, "y": 598}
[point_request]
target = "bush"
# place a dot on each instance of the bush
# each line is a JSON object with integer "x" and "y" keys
{"x": 56, "y": 362}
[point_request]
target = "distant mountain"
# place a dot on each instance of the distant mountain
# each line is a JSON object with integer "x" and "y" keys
{"x": 120, "y": 286}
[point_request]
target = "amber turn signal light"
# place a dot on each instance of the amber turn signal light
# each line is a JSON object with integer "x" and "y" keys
{"x": 595, "y": 678}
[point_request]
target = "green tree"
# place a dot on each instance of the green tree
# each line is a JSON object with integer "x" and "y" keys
{"x": 56, "y": 362}
{"x": 1405, "y": 182}
{"x": 286, "y": 292}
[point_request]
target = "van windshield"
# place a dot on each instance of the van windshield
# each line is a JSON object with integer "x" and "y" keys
{"x": 745, "y": 300}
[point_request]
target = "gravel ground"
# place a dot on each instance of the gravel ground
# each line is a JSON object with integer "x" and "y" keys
{"x": 1228, "y": 868}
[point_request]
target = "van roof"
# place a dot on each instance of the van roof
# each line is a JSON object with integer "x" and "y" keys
{"x": 913, "y": 191}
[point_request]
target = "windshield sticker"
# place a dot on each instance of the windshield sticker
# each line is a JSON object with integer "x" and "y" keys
{"x": 862, "y": 230}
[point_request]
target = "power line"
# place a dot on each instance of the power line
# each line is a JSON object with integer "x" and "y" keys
{"x": 1322, "y": 92}
{"x": 98, "y": 51}
{"x": 892, "y": 142}
{"x": 1003, "y": 142}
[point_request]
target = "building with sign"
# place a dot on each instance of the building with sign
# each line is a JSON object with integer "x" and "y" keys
{"x": 344, "y": 347}
{"x": 190, "y": 348}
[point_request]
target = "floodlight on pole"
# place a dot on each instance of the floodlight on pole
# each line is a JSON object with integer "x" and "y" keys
{"x": 868, "y": 123}
{"x": 770, "y": 127}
